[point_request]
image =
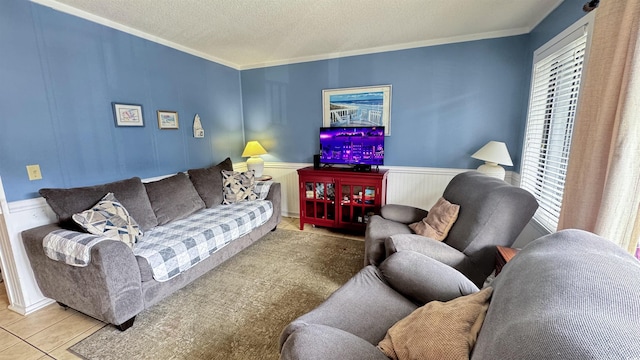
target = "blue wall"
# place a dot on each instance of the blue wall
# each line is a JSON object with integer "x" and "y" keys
{"x": 447, "y": 101}
{"x": 59, "y": 75}
{"x": 561, "y": 18}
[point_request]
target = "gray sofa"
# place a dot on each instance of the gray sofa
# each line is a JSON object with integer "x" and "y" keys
{"x": 568, "y": 295}
{"x": 117, "y": 285}
{"x": 492, "y": 213}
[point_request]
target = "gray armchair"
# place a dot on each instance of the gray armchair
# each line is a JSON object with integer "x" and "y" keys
{"x": 568, "y": 295}
{"x": 492, "y": 213}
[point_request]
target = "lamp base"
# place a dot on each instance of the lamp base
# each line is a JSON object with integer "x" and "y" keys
{"x": 493, "y": 170}
{"x": 256, "y": 164}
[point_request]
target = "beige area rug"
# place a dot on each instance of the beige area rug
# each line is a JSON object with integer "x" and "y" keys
{"x": 237, "y": 310}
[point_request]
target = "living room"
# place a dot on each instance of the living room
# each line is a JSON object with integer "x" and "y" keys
{"x": 65, "y": 71}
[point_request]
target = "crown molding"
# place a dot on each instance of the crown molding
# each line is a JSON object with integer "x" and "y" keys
{"x": 395, "y": 47}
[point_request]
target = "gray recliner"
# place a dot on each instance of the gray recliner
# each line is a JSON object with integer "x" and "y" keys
{"x": 569, "y": 295}
{"x": 492, "y": 213}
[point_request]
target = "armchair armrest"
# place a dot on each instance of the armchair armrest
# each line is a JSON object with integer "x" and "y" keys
{"x": 320, "y": 342}
{"x": 108, "y": 289}
{"x": 403, "y": 213}
{"x": 434, "y": 249}
{"x": 423, "y": 279}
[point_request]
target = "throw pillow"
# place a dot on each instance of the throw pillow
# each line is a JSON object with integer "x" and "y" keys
{"x": 439, "y": 220}
{"x": 130, "y": 192}
{"x": 173, "y": 198}
{"x": 110, "y": 219}
{"x": 208, "y": 182}
{"x": 438, "y": 330}
{"x": 238, "y": 186}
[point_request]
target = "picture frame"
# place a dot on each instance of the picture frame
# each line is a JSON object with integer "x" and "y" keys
{"x": 357, "y": 106}
{"x": 127, "y": 114}
{"x": 167, "y": 119}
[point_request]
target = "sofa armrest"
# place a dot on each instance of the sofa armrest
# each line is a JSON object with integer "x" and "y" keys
{"x": 403, "y": 213}
{"x": 108, "y": 289}
{"x": 423, "y": 279}
{"x": 321, "y": 342}
{"x": 275, "y": 196}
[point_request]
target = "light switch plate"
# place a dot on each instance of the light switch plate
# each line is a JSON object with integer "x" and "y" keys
{"x": 34, "y": 172}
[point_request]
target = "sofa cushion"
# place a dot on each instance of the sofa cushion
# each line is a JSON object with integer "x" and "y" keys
{"x": 110, "y": 219}
{"x": 173, "y": 198}
{"x": 439, "y": 220}
{"x": 238, "y": 186}
{"x": 208, "y": 182}
{"x": 438, "y": 330}
{"x": 131, "y": 194}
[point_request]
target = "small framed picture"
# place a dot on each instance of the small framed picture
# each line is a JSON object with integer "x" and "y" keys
{"x": 127, "y": 114}
{"x": 167, "y": 119}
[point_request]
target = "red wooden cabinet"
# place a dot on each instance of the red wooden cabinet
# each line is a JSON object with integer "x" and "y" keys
{"x": 340, "y": 198}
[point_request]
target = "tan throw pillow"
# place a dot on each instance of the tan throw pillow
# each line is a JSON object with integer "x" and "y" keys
{"x": 439, "y": 220}
{"x": 438, "y": 330}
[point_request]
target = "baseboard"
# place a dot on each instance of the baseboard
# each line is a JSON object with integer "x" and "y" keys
{"x": 32, "y": 307}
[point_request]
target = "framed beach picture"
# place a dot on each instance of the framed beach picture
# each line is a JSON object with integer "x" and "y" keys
{"x": 127, "y": 114}
{"x": 167, "y": 119}
{"x": 359, "y": 106}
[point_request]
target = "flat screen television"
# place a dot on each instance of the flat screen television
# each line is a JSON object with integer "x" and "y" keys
{"x": 352, "y": 145}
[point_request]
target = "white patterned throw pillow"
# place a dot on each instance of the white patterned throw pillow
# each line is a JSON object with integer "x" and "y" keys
{"x": 238, "y": 186}
{"x": 110, "y": 219}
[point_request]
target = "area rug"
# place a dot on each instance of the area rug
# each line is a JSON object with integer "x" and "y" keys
{"x": 237, "y": 310}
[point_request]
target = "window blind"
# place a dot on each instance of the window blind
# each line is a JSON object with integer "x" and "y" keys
{"x": 552, "y": 109}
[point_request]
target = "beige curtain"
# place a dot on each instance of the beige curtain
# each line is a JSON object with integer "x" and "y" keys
{"x": 602, "y": 189}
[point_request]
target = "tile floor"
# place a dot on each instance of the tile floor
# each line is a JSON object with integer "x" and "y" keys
{"x": 49, "y": 332}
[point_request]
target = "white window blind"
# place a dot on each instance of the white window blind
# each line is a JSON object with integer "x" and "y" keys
{"x": 552, "y": 109}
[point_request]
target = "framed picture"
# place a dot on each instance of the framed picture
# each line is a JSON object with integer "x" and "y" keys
{"x": 360, "y": 106}
{"x": 167, "y": 119}
{"x": 127, "y": 114}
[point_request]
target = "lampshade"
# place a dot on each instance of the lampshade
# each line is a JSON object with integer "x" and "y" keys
{"x": 253, "y": 148}
{"x": 493, "y": 153}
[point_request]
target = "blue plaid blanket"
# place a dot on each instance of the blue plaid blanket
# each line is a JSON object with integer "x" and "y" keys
{"x": 177, "y": 246}
{"x": 71, "y": 247}
{"x": 174, "y": 247}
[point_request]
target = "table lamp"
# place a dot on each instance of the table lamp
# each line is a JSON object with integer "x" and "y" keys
{"x": 253, "y": 150}
{"x": 493, "y": 153}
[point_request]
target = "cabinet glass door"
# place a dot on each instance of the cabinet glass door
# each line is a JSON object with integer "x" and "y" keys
{"x": 320, "y": 200}
{"x": 357, "y": 203}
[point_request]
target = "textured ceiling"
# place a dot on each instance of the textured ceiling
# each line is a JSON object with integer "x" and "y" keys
{"x": 253, "y": 33}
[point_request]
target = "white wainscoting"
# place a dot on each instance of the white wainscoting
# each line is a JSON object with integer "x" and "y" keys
{"x": 23, "y": 292}
{"x": 416, "y": 186}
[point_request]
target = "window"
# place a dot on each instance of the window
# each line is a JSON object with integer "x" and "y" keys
{"x": 555, "y": 86}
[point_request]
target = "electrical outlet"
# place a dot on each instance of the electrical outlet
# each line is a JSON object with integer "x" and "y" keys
{"x": 34, "y": 172}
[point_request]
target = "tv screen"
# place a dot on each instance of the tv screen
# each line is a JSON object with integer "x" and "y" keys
{"x": 352, "y": 145}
